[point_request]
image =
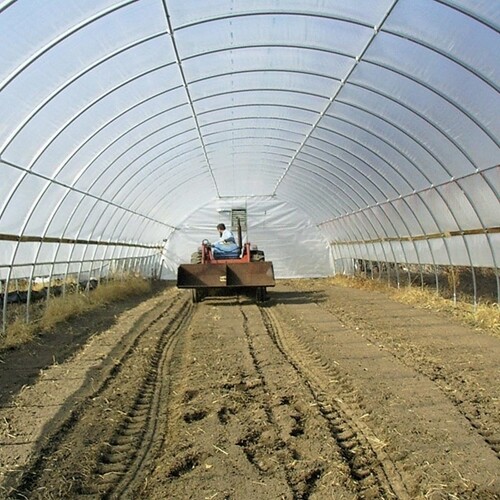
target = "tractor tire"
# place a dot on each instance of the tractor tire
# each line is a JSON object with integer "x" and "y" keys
{"x": 196, "y": 295}
{"x": 260, "y": 294}
{"x": 196, "y": 257}
{"x": 257, "y": 256}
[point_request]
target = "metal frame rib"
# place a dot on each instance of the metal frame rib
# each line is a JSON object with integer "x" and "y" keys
{"x": 188, "y": 94}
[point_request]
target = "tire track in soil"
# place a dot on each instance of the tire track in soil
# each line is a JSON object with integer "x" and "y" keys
{"x": 451, "y": 384}
{"x": 77, "y": 442}
{"x": 372, "y": 470}
{"x": 242, "y": 425}
{"x": 218, "y": 413}
{"x": 249, "y": 442}
{"x": 458, "y": 460}
{"x": 467, "y": 396}
{"x": 306, "y": 462}
{"x": 301, "y": 485}
{"x": 137, "y": 440}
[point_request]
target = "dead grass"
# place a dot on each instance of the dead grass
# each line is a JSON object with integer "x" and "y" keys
{"x": 359, "y": 282}
{"x": 118, "y": 289}
{"x": 19, "y": 332}
{"x": 59, "y": 309}
{"x": 484, "y": 316}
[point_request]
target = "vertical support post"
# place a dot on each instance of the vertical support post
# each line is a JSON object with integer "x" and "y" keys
{"x": 28, "y": 295}
{"x": 455, "y": 274}
{"x": 4, "y": 306}
{"x": 5, "y": 300}
{"x": 474, "y": 285}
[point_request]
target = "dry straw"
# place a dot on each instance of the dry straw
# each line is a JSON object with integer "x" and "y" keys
{"x": 484, "y": 316}
{"x": 59, "y": 309}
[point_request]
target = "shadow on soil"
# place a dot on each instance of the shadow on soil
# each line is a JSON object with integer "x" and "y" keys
{"x": 228, "y": 299}
{"x": 20, "y": 367}
{"x": 296, "y": 297}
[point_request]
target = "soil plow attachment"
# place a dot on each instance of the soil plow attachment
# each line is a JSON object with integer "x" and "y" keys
{"x": 252, "y": 274}
{"x": 211, "y": 275}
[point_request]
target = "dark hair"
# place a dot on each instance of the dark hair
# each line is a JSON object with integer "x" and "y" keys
{"x": 221, "y": 226}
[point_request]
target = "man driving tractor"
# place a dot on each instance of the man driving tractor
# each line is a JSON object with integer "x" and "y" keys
{"x": 226, "y": 264}
{"x": 225, "y": 247}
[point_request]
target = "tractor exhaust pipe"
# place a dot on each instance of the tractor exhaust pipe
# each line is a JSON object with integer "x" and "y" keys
{"x": 240, "y": 237}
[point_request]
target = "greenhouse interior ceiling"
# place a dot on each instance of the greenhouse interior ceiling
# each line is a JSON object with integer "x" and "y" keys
{"x": 348, "y": 131}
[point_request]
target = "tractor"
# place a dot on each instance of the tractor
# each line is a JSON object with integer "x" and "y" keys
{"x": 206, "y": 274}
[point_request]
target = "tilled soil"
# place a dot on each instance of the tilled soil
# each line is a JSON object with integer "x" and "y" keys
{"x": 322, "y": 392}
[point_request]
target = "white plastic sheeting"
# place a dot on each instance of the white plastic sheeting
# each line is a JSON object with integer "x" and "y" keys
{"x": 362, "y": 129}
{"x": 286, "y": 235}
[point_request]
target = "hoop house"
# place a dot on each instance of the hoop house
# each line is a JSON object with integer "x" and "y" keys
{"x": 349, "y": 131}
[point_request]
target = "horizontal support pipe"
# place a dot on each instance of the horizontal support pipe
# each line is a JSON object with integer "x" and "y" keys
{"x": 77, "y": 261}
{"x": 71, "y": 241}
{"x": 421, "y": 237}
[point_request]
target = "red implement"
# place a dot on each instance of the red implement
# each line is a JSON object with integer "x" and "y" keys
{"x": 250, "y": 270}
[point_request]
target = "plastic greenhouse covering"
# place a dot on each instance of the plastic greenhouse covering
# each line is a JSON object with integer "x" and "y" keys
{"x": 348, "y": 130}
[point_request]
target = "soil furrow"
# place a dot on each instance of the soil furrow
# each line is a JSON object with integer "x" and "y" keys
{"x": 321, "y": 393}
{"x": 147, "y": 419}
{"x": 373, "y": 471}
{"x": 463, "y": 382}
{"x": 76, "y": 444}
{"x": 381, "y": 350}
{"x": 298, "y": 490}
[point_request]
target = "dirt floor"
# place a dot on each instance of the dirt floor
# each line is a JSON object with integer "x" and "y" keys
{"x": 322, "y": 392}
